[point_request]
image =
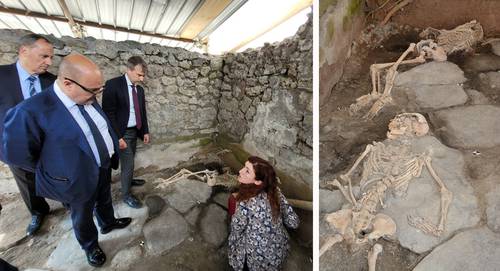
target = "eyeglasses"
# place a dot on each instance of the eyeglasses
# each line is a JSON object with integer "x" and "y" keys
{"x": 94, "y": 91}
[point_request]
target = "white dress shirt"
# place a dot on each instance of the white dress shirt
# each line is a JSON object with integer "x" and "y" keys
{"x": 96, "y": 117}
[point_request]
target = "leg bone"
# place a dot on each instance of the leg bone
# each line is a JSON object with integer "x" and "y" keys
{"x": 373, "y": 255}
{"x": 329, "y": 242}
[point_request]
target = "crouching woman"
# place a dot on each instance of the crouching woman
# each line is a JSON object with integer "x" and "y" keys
{"x": 258, "y": 239}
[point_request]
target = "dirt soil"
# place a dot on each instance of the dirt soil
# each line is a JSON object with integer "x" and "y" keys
{"x": 343, "y": 136}
{"x": 189, "y": 255}
{"x": 441, "y": 14}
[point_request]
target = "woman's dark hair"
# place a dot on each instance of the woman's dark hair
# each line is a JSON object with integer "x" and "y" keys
{"x": 265, "y": 173}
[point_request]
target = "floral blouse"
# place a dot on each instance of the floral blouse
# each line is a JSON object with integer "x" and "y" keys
{"x": 256, "y": 237}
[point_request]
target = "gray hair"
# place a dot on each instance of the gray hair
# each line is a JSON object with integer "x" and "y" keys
{"x": 30, "y": 39}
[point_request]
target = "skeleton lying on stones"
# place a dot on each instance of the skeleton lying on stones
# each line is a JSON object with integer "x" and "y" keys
{"x": 211, "y": 177}
{"x": 436, "y": 45}
{"x": 387, "y": 167}
{"x": 230, "y": 181}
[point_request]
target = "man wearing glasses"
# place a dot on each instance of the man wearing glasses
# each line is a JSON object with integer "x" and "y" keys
{"x": 124, "y": 104}
{"x": 21, "y": 80}
{"x": 64, "y": 136}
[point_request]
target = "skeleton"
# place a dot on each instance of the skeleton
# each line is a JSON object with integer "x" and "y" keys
{"x": 230, "y": 181}
{"x": 211, "y": 177}
{"x": 386, "y": 168}
{"x": 436, "y": 45}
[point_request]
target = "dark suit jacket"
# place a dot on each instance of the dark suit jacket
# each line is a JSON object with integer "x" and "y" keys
{"x": 41, "y": 135}
{"x": 11, "y": 93}
{"x": 116, "y": 105}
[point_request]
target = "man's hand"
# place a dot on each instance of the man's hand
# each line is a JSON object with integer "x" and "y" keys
{"x": 122, "y": 144}
{"x": 146, "y": 138}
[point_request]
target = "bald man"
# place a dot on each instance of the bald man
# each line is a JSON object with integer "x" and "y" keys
{"x": 63, "y": 135}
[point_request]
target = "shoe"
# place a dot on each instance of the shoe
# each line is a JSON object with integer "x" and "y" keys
{"x": 138, "y": 182}
{"x": 119, "y": 223}
{"x": 132, "y": 201}
{"x": 96, "y": 256}
{"x": 36, "y": 223}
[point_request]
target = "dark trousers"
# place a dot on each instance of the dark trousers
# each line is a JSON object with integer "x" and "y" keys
{"x": 100, "y": 204}
{"x": 5, "y": 266}
{"x": 127, "y": 156}
{"x": 26, "y": 182}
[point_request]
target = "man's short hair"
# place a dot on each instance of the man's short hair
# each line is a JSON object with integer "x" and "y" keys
{"x": 136, "y": 60}
{"x": 30, "y": 39}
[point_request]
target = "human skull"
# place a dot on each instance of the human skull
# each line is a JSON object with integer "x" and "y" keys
{"x": 407, "y": 124}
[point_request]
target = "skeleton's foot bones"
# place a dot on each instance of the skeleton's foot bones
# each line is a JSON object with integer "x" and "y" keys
{"x": 424, "y": 225}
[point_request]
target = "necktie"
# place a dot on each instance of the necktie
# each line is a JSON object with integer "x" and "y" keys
{"x": 138, "y": 122}
{"x": 99, "y": 140}
{"x": 31, "y": 87}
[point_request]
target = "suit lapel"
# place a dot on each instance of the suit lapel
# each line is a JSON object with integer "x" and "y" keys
{"x": 123, "y": 89}
{"x": 15, "y": 85}
{"x": 70, "y": 122}
{"x": 140, "y": 95}
{"x": 44, "y": 81}
{"x": 112, "y": 133}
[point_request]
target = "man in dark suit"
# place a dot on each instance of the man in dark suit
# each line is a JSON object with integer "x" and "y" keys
{"x": 124, "y": 103}
{"x": 63, "y": 136}
{"x": 21, "y": 80}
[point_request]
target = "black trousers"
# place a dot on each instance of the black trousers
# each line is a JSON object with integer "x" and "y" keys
{"x": 5, "y": 266}
{"x": 99, "y": 204}
{"x": 25, "y": 181}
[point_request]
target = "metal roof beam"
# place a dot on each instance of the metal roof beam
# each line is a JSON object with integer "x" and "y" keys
{"x": 76, "y": 28}
{"x": 147, "y": 15}
{"x": 209, "y": 10}
{"x": 87, "y": 23}
{"x": 161, "y": 16}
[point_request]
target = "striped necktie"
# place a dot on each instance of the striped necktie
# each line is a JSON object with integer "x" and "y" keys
{"x": 31, "y": 87}
{"x": 98, "y": 139}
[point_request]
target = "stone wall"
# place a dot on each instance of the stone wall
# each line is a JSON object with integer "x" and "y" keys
{"x": 261, "y": 97}
{"x": 182, "y": 87}
{"x": 267, "y": 102}
{"x": 340, "y": 22}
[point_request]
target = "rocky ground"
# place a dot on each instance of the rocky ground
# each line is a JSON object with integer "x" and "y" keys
{"x": 182, "y": 226}
{"x": 460, "y": 99}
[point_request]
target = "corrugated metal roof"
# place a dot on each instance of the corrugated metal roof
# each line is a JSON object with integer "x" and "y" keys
{"x": 148, "y": 21}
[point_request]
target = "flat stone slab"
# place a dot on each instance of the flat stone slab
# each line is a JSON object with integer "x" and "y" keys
{"x": 426, "y": 91}
{"x": 432, "y": 97}
{"x": 426, "y": 74}
{"x": 477, "y": 97}
{"x": 493, "y": 208}
{"x": 214, "y": 225}
{"x": 330, "y": 201}
{"x": 490, "y": 80}
{"x": 471, "y": 250}
{"x": 68, "y": 254}
{"x": 423, "y": 198}
{"x": 476, "y": 126}
{"x": 154, "y": 154}
{"x": 221, "y": 198}
{"x": 188, "y": 193}
{"x": 125, "y": 258}
{"x": 165, "y": 232}
{"x": 482, "y": 63}
{"x": 495, "y": 47}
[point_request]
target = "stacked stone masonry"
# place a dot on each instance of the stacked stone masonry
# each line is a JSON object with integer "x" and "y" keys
{"x": 190, "y": 94}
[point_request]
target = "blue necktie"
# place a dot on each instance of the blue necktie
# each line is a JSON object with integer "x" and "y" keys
{"x": 99, "y": 140}
{"x": 31, "y": 88}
